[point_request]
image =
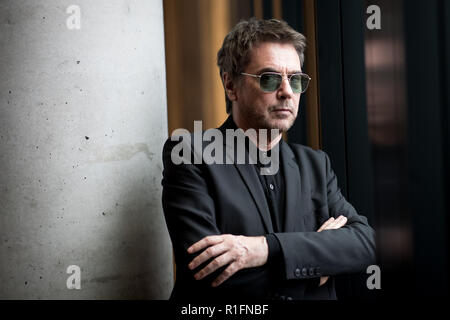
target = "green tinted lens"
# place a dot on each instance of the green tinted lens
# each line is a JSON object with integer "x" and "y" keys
{"x": 270, "y": 82}
{"x": 297, "y": 83}
{"x": 305, "y": 83}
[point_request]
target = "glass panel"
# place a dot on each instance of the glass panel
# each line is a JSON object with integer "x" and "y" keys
{"x": 387, "y": 118}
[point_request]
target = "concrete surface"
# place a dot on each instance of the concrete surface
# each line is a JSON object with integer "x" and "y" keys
{"x": 82, "y": 123}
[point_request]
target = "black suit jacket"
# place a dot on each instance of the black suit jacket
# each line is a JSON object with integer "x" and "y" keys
{"x": 201, "y": 200}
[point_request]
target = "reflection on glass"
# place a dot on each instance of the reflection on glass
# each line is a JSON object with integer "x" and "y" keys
{"x": 387, "y": 118}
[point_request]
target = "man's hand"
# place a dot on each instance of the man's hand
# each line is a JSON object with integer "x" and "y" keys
{"x": 239, "y": 252}
{"x": 328, "y": 225}
{"x": 236, "y": 252}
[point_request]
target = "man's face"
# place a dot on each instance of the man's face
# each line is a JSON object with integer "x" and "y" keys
{"x": 257, "y": 109}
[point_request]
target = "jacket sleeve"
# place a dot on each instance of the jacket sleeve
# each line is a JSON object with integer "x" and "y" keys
{"x": 190, "y": 214}
{"x": 188, "y": 207}
{"x": 349, "y": 249}
{"x": 189, "y": 210}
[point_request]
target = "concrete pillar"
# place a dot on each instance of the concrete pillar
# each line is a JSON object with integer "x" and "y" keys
{"x": 82, "y": 122}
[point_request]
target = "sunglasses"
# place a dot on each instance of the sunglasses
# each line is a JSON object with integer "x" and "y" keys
{"x": 271, "y": 81}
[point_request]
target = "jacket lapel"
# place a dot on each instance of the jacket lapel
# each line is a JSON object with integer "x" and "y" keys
{"x": 292, "y": 190}
{"x": 296, "y": 199}
{"x": 250, "y": 178}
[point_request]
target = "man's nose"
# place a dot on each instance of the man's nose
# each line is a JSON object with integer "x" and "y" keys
{"x": 285, "y": 90}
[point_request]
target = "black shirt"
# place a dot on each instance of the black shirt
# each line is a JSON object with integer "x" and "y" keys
{"x": 273, "y": 185}
{"x": 274, "y": 189}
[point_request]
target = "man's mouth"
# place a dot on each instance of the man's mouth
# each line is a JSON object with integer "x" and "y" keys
{"x": 282, "y": 110}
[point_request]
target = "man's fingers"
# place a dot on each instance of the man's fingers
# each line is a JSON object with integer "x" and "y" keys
{"x": 325, "y": 224}
{"x": 343, "y": 221}
{"x": 227, "y": 273}
{"x": 205, "y": 242}
{"x": 209, "y": 253}
{"x": 229, "y": 251}
{"x": 333, "y": 223}
{"x": 323, "y": 280}
{"x": 338, "y": 223}
{"x": 218, "y": 262}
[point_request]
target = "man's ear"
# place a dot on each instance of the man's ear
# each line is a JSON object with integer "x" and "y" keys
{"x": 230, "y": 87}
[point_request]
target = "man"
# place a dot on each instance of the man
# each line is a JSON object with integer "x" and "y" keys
{"x": 239, "y": 233}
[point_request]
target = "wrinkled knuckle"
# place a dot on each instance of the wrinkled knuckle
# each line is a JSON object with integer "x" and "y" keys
{"x": 216, "y": 263}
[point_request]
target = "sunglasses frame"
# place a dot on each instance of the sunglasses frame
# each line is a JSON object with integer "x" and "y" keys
{"x": 289, "y": 76}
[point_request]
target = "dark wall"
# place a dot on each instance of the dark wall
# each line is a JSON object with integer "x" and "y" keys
{"x": 428, "y": 57}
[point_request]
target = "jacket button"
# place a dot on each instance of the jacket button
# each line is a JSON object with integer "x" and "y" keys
{"x": 297, "y": 272}
{"x": 304, "y": 271}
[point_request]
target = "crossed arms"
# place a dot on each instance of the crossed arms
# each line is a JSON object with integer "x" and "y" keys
{"x": 340, "y": 245}
{"x": 239, "y": 252}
